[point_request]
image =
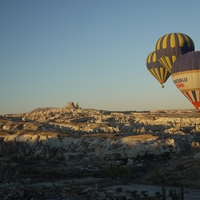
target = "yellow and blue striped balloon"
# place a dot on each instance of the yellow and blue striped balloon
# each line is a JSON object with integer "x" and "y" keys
{"x": 170, "y": 46}
{"x": 156, "y": 69}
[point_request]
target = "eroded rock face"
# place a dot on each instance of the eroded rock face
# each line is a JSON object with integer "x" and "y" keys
{"x": 49, "y": 144}
{"x": 127, "y": 146}
{"x": 168, "y": 131}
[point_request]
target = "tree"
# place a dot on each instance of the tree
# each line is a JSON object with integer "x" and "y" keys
{"x": 163, "y": 192}
{"x": 177, "y": 196}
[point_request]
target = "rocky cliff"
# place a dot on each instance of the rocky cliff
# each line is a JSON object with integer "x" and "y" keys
{"x": 130, "y": 133}
{"x": 41, "y": 149}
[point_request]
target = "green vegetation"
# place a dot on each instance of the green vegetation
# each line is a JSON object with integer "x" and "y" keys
{"x": 164, "y": 193}
{"x": 125, "y": 173}
{"x": 156, "y": 178}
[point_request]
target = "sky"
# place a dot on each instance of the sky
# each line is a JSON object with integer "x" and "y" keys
{"x": 89, "y": 51}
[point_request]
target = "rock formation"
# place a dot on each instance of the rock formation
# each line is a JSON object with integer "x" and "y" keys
{"x": 59, "y": 135}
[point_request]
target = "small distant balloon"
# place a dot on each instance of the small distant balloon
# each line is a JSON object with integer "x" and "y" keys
{"x": 156, "y": 69}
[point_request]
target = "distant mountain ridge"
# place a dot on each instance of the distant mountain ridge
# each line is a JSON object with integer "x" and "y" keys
{"x": 42, "y": 109}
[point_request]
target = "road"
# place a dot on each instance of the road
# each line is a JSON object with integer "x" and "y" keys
{"x": 190, "y": 194}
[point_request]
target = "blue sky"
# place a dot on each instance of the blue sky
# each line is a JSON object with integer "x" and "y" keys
{"x": 92, "y": 52}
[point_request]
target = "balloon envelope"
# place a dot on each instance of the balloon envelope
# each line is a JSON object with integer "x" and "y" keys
{"x": 156, "y": 69}
{"x": 170, "y": 46}
{"x": 186, "y": 76}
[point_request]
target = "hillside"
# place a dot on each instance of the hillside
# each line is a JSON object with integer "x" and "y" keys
{"x": 164, "y": 143}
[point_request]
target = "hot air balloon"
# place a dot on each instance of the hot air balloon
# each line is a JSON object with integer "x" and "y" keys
{"x": 186, "y": 76}
{"x": 156, "y": 69}
{"x": 170, "y": 46}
